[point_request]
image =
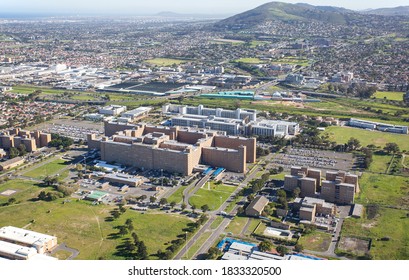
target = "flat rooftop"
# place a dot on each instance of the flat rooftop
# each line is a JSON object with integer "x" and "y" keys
{"x": 24, "y": 236}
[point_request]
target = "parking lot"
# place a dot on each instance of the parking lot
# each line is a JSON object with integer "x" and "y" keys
{"x": 314, "y": 158}
{"x": 71, "y": 128}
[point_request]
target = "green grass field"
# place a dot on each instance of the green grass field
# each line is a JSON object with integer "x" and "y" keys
{"x": 382, "y": 189}
{"x": 26, "y": 190}
{"x": 249, "y": 60}
{"x": 256, "y": 43}
{"x": 341, "y": 135}
{"x": 380, "y": 163}
{"x": 213, "y": 197}
{"x": 216, "y": 223}
{"x": 237, "y": 225}
{"x": 197, "y": 245}
{"x": 390, "y": 223}
{"x": 82, "y": 226}
{"x": 164, "y": 61}
{"x": 389, "y": 95}
{"x": 52, "y": 168}
{"x": 316, "y": 241}
{"x": 386, "y": 191}
{"x": 177, "y": 196}
{"x": 292, "y": 60}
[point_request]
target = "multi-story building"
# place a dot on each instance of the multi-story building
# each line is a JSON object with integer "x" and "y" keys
{"x": 241, "y": 114}
{"x": 233, "y": 122}
{"x": 172, "y": 149}
{"x": 31, "y": 140}
{"x": 272, "y": 128}
{"x": 306, "y": 179}
{"x": 338, "y": 187}
{"x": 112, "y": 110}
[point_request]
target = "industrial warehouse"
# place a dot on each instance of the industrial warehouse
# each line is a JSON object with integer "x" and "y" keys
{"x": 173, "y": 149}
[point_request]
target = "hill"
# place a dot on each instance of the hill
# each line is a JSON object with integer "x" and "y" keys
{"x": 397, "y": 11}
{"x": 289, "y": 12}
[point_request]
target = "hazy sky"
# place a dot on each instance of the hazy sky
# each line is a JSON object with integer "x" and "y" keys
{"x": 182, "y": 6}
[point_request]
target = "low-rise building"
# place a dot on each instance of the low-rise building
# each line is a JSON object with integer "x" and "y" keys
{"x": 125, "y": 179}
{"x": 309, "y": 207}
{"x": 378, "y": 126}
{"x": 42, "y": 243}
{"x": 256, "y": 207}
{"x": 11, "y": 163}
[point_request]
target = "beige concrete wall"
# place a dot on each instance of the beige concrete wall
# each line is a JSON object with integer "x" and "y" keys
{"x": 45, "y": 139}
{"x": 170, "y": 131}
{"x": 7, "y": 141}
{"x": 232, "y": 142}
{"x": 290, "y": 182}
{"x": 328, "y": 191}
{"x": 30, "y": 144}
{"x": 190, "y": 137}
{"x": 308, "y": 187}
{"x": 112, "y": 128}
{"x": 232, "y": 160}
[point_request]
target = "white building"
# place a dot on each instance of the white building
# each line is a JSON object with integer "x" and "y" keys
{"x": 136, "y": 113}
{"x": 40, "y": 242}
{"x": 112, "y": 110}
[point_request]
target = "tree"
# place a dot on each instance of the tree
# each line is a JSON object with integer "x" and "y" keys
{"x": 193, "y": 208}
{"x": 265, "y": 246}
{"x": 353, "y": 144}
{"x": 135, "y": 238}
{"x": 129, "y": 224}
{"x": 22, "y": 150}
{"x": 123, "y": 230}
{"x": 205, "y": 208}
{"x": 115, "y": 214}
{"x": 391, "y": 148}
{"x": 183, "y": 206}
{"x": 212, "y": 253}
{"x": 14, "y": 152}
{"x": 42, "y": 195}
{"x": 296, "y": 192}
{"x": 152, "y": 199}
{"x": 129, "y": 246}
{"x": 142, "y": 251}
{"x": 298, "y": 248}
{"x": 163, "y": 201}
{"x": 172, "y": 204}
{"x": 282, "y": 250}
{"x": 142, "y": 197}
{"x": 121, "y": 208}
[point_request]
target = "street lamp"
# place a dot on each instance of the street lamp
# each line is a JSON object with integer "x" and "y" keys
{"x": 186, "y": 251}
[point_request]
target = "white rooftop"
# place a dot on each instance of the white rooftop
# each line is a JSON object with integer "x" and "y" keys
{"x": 24, "y": 236}
{"x": 16, "y": 251}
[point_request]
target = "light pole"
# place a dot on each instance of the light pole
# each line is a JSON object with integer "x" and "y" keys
{"x": 186, "y": 251}
{"x": 161, "y": 176}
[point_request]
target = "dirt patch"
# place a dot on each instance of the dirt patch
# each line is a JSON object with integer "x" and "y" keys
{"x": 354, "y": 245}
{"x": 370, "y": 225}
{"x": 285, "y": 103}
